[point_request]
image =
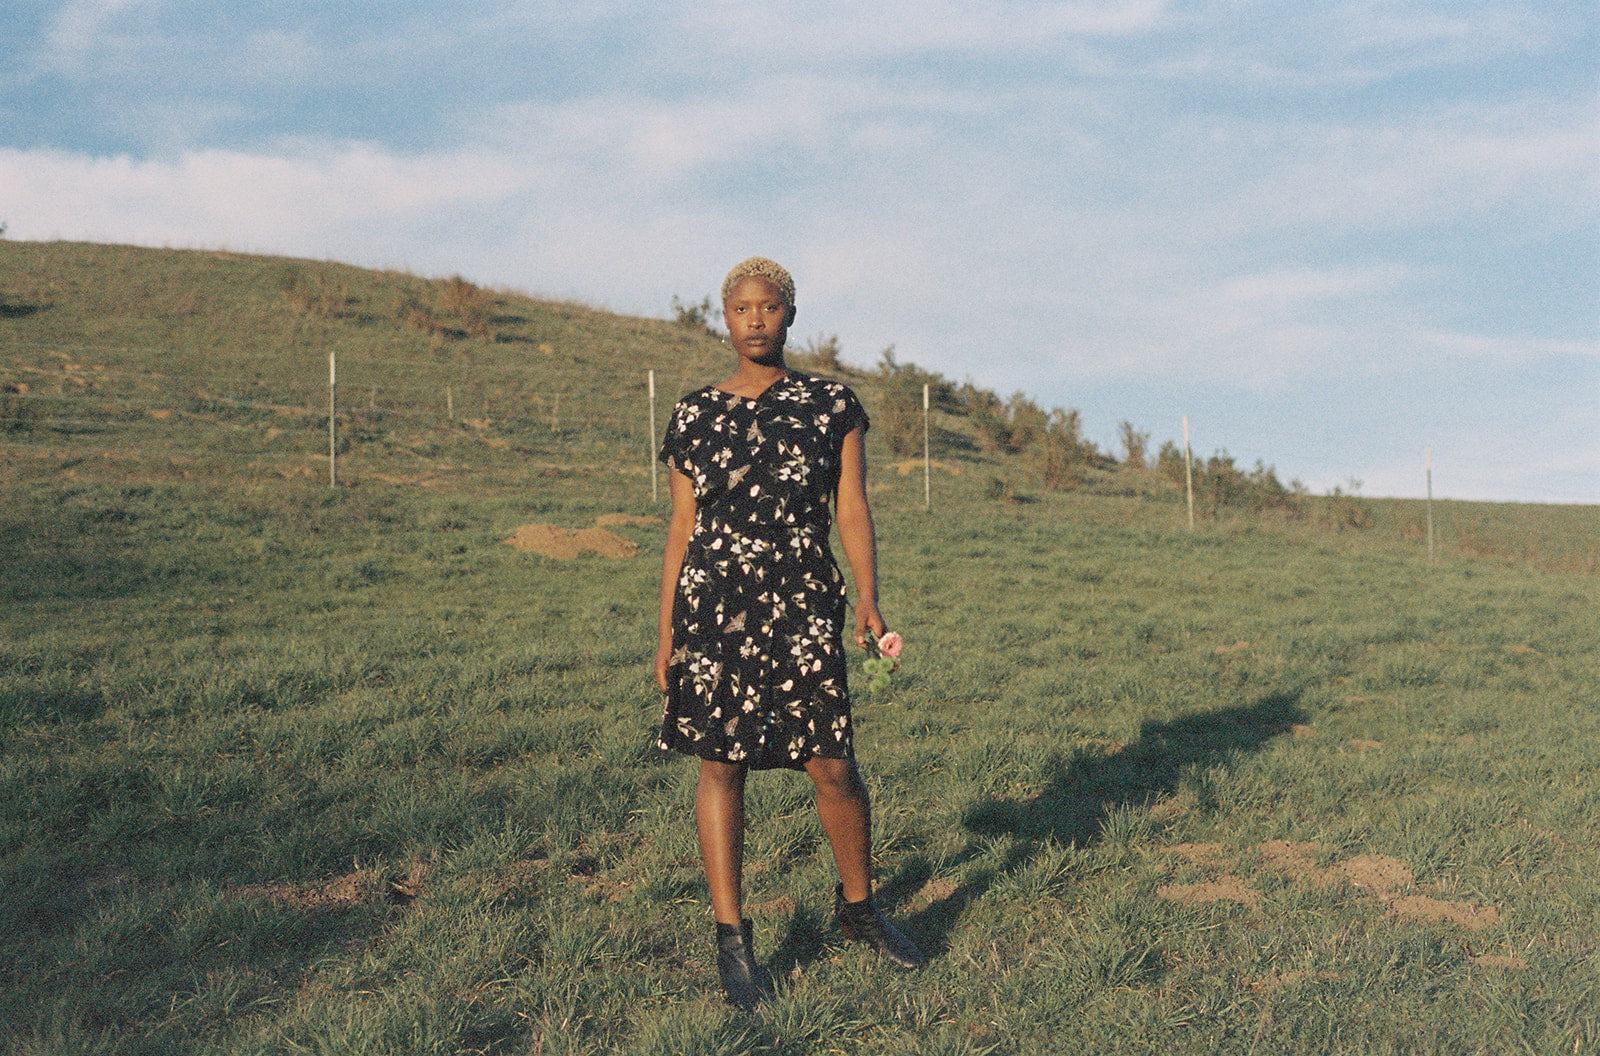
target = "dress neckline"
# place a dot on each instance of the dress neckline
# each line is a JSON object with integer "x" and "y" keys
{"x": 779, "y": 380}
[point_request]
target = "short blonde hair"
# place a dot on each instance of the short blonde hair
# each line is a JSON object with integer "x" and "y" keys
{"x": 760, "y": 268}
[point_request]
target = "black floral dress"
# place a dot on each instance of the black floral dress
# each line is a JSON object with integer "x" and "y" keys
{"x": 757, "y": 670}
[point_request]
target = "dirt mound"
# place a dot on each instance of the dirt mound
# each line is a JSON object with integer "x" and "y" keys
{"x": 566, "y": 544}
{"x": 1388, "y": 880}
{"x": 906, "y": 466}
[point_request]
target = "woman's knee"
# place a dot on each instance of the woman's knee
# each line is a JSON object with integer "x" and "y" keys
{"x": 727, "y": 777}
{"x": 836, "y": 777}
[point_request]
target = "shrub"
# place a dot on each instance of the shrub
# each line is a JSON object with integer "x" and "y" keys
{"x": 821, "y": 353}
{"x": 473, "y": 306}
{"x": 1134, "y": 445}
{"x": 900, "y": 414}
{"x": 693, "y": 316}
{"x": 1064, "y": 454}
{"x": 323, "y": 293}
{"x": 1346, "y": 510}
{"x": 1219, "y": 483}
{"x": 1170, "y": 462}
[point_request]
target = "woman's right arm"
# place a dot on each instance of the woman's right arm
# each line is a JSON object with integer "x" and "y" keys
{"x": 679, "y": 528}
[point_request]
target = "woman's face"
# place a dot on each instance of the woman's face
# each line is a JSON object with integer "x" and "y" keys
{"x": 758, "y": 320}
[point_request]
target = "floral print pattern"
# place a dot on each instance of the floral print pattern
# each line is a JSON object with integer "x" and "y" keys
{"x": 757, "y": 670}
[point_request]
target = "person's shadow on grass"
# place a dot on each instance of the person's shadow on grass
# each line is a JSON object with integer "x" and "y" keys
{"x": 1085, "y": 789}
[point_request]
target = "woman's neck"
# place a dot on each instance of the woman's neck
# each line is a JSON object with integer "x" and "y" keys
{"x": 751, "y": 379}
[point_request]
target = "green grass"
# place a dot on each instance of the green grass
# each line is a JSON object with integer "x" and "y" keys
{"x": 288, "y": 768}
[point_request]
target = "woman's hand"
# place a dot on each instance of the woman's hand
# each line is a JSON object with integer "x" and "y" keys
{"x": 663, "y": 658}
{"x": 869, "y": 621}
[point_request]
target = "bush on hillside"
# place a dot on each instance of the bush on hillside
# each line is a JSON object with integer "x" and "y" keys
{"x": 1170, "y": 463}
{"x": 471, "y": 305}
{"x": 321, "y": 293}
{"x": 696, "y": 317}
{"x": 1346, "y": 510}
{"x": 821, "y": 353}
{"x": 1134, "y": 445}
{"x": 900, "y": 410}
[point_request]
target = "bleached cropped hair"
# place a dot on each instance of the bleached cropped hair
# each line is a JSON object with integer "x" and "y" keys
{"x": 761, "y": 268}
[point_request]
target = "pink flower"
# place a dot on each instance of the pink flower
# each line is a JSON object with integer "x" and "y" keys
{"x": 890, "y": 644}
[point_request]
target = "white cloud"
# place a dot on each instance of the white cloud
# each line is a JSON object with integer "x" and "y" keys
{"x": 313, "y": 203}
{"x": 80, "y": 29}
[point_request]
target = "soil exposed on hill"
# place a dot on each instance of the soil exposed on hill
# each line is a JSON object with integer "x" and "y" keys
{"x": 567, "y": 544}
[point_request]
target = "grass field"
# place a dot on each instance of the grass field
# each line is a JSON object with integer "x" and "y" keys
{"x": 288, "y": 768}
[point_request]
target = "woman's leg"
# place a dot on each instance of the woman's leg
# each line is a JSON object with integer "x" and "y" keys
{"x": 846, "y": 814}
{"x": 719, "y": 820}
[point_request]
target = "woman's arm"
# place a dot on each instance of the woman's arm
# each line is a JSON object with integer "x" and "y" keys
{"x": 856, "y": 535}
{"x": 679, "y": 529}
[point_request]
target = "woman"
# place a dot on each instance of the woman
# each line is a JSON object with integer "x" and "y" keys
{"x": 750, "y": 652}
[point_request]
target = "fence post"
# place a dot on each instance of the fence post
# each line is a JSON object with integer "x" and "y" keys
{"x": 1428, "y": 458}
{"x": 333, "y": 431}
{"x": 1188, "y": 471}
{"x": 927, "y": 463}
{"x": 655, "y": 493}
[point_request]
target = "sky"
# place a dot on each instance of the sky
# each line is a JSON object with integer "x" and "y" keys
{"x": 1336, "y": 236}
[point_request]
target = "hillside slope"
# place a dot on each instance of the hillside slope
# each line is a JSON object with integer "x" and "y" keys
{"x": 129, "y": 364}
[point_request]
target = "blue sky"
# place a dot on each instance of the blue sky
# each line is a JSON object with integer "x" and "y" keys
{"x": 1333, "y": 234}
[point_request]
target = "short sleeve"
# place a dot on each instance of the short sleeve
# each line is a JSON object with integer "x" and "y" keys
{"x": 849, "y": 412}
{"x": 674, "y": 451}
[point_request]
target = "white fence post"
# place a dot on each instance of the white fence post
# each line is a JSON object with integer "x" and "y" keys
{"x": 1188, "y": 471}
{"x": 333, "y": 438}
{"x": 927, "y": 464}
{"x": 1428, "y": 458}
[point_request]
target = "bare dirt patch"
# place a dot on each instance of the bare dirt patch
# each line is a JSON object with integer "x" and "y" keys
{"x": 1200, "y": 853}
{"x": 938, "y": 889}
{"x": 352, "y": 889}
{"x": 1468, "y": 915}
{"x": 1278, "y": 980}
{"x": 567, "y": 544}
{"x": 906, "y": 466}
{"x": 1377, "y": 873}
{"x": 343, "y": 892}
{"x": 1226, "y": 888}
{"x": 1294, "y": 859}
{"x": 1388, "y": 880}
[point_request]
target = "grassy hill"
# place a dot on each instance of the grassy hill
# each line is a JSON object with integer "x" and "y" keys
{"x": 293, "y": 768}
{"x": 140, "y": 365}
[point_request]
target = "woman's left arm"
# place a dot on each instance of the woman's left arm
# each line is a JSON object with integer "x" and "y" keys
{"x": 856, "y": 535}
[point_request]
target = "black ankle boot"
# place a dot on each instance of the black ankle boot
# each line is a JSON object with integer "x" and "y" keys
{"x": 744, "y": 982}
{"x": 864, "y": 922}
